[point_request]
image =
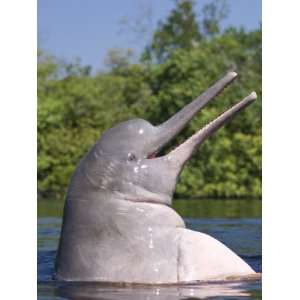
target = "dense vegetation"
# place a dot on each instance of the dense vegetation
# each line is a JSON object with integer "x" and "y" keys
{"x": 74, "y": 107}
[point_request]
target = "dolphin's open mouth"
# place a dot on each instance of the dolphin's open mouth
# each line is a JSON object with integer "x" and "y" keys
{"x": 169, "y": 129}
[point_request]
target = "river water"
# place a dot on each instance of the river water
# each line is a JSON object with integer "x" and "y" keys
{"x": 236, "y": 223}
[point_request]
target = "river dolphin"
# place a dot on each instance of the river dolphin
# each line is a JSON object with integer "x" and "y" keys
{"x": 118, "y": 224}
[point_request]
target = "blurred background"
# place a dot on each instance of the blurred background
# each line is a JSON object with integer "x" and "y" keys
{"x": 103, "y": 62}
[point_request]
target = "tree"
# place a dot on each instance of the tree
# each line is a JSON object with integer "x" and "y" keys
{"x": 180, "y": 30}
{"x": 212, "y": 14}
{"x": 118, "y": 58}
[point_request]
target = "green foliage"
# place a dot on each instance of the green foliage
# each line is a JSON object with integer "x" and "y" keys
{"x": 180, "y": 30}
{"x": 118, "y": 58}
{"x": 74, "y": 108}
{"x": 213, "y": 13}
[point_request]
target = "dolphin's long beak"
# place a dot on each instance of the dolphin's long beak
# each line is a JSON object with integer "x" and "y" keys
{"x": 169, "y": 129}
{"x": 179, "y": 156}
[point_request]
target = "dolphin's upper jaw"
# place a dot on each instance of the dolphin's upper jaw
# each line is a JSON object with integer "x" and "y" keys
{"x": 165, "y": 132}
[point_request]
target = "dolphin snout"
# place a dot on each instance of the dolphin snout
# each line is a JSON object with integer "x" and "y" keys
{"x": 169, "y": 129}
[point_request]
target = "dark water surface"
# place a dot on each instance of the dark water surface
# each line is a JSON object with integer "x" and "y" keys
{"x": 236, "y": 223}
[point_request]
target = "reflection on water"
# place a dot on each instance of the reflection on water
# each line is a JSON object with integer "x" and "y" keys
{"x": 236, "y": 223}
{"x": 238, "y": 290}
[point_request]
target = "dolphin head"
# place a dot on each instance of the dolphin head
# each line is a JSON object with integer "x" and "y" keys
{"x": 124, "y": 161}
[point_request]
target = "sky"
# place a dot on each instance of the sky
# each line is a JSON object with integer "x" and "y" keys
{"x": 87, "y": 29}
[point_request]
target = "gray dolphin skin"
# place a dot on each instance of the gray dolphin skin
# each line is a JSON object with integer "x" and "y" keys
{"x": 118, "y": 225}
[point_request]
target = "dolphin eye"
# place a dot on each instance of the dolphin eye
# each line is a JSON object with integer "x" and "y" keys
{"x": 131, "y": 157}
